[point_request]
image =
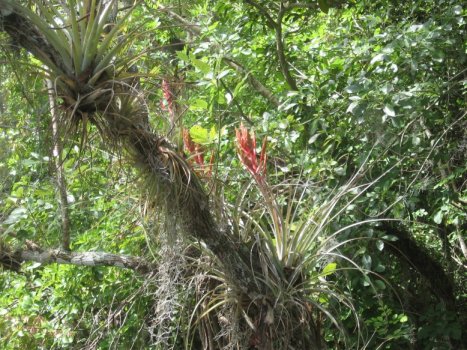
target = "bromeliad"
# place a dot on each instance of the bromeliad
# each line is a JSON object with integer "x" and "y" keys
{"x": 246, "y": 150}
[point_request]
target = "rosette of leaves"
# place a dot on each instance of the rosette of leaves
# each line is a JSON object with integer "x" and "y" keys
{"x": 77, "y": 44}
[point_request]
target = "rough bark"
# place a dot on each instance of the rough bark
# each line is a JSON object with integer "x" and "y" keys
{"x": 12, "y": 260}
{"x": 182, "y": 194}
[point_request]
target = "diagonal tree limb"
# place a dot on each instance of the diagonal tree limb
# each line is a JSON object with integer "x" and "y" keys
{"x": 407, "y": 248}
{"x": 255, "y": 83}
{"x": 189, "y": 27}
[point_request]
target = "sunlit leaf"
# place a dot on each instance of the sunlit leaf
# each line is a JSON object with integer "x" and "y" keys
{"x": 389, "y": 110}
{"x": 16, "y": 215}
{"x": 329, "y": 269}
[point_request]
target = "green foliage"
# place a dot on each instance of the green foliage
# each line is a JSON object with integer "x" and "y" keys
{"x": 375, "y": 130}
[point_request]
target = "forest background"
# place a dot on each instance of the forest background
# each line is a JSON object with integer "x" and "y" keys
{"x": 128, "y": 221}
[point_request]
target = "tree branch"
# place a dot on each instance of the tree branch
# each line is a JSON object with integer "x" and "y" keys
{"x": 190, "y": 27}
{"x": 290, "y": 6}
{"x": 12, "y": 260}
{"x": 234, "y": 100}
{"x": 280, "y": 47}
{"x": 269, "y": 20}
{"x": 173, "y": 184}
{"x": 255, "y": 83}
{"x": 440, "y": 282}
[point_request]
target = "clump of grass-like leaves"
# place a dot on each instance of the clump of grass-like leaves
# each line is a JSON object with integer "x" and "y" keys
{"x": 292, "y": 254}
{"x": 297, "y": 262}
{"x": 77, "y": 43}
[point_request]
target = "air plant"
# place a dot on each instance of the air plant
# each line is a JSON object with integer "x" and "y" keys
{"x": 76, "y": 43}
{"x": 291, "y": 241}
{"x": 299, "y": 252}
{"x": 168, "y": 101}
{"x": 197, "y": 152}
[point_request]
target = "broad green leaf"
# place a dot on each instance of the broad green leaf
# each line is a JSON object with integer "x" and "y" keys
{"x": 199, "y": 134}
{"x": 390, "y": 238}
{"x": 366, "y": 281}
{"x": 201, "y": 65}
{"x": 199, "y": 105}
{"x": 183, "y": 55}
{"x": 212, "y": 134}
{"x": 366, "y": 261}
{"x": 16, "y": 215}
{"x": 223, "y": 74}
{"x": 313, "y": 139}
{"x": 352, "y": 106}
{"x": 378, "y": 58}
{"x": 329, "y": 269}
{"x": 438, "y": 218}
{"x": 380, "y": 245}
{"x": 379, "y": 268}
{"x": 380, "y": 285}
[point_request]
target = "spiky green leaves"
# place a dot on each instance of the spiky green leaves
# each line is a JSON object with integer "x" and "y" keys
{"x": 70, "y": 39}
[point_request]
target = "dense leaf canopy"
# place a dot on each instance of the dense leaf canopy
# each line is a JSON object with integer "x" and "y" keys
{"x": 233, "y": 174}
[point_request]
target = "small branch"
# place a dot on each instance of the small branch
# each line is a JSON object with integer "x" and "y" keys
{"x": 290, "y": 6}
{"x": 12, "y": 260}
{"x": 269, "y": 20}
{"x": 408, "y": 248}
{"x": 462, "y": 245}
{"x": 190, "y": 27}
{"x": 280, "y": 47}
{"x": 255, "y": 83}
{"x": 239, "y": 107}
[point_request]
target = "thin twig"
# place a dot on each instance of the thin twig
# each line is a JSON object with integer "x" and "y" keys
{"x": 235, "y": 102}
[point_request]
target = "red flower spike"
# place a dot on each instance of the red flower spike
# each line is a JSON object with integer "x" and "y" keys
{"x": 246, "y": 143}
{"x": 188, "y": 142}
{"x": 199, "y": 157}
{"x": 211, "y": 164}
{"x": 263, "y": 157}
{"x": 193, "y": 148}
{"x": 168, "y": 96}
